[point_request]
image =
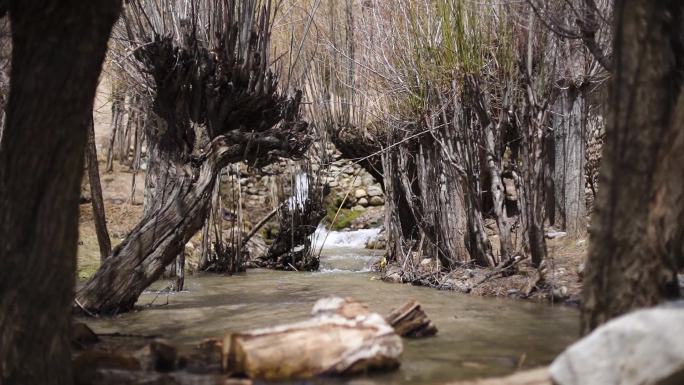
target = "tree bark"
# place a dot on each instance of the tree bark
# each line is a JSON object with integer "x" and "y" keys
{"x": 157, "y": 240}
{"x": 58, "y": 50}
{"x": 637, "y": 231}
{"x": 425, "y": 209}
{"x": 569, "y": 203}
{"x": 96, "y": 196}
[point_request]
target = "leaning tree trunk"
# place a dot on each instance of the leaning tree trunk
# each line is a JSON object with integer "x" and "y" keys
{"x": 638, "y": 232}
{"x": 157, "y": 240}
{"x": 56, "y": 63}
{"x": 199, "y": 101}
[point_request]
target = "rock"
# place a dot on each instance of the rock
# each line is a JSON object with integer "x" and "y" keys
{"x": 360, "y": 193}
{"x": 82, "y": 335}
{"x": 377, "y": 201}
{"x": 342, "y": 337}
{"x": 393, "y": 274}
{"x": 333, "y": 184}
{"x": 643, "y": 347}
{"x": 158, "y": 355}
{"x": 358, "y": 182}
{"x": 358, "y": 208}
{"x": 367, "y": 179}
{"x": 375, "y": 191}
{"x": 363, "y": 202}
{"x": 559, "y": 293}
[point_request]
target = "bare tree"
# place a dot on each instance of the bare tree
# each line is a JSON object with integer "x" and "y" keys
{"x": 217, "y": 103}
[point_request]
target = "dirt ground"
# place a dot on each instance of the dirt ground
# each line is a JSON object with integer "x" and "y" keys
{"x": 560, "y": 280}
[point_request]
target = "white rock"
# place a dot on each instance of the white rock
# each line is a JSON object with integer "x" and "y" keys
{"x": 367, "y": 179}
{"x": 643, "y": 347}
{"x": 363, "y": 202}
{"x": 374, "y": 191}
{"x": 360, "y": 193}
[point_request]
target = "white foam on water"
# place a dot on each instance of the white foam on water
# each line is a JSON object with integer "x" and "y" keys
{"x": 352, "y": 239}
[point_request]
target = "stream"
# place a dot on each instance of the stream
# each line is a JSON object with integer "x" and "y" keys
{"x": 478, "y": 337}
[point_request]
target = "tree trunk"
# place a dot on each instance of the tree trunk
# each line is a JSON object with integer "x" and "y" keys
{"x": 96, "y": 196}
{"x": 637, "y": 232}
{"x": 58, "y": 49}
{"x": 200, "y": 98}
{"x": 117, "y": 116}
{"x": 569, "y": 203}
{"x": 155, "y": 242}
{"x": 425, "y": 209}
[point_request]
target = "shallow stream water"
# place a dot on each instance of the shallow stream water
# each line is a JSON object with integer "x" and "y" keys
{"x": 477, "y": 337}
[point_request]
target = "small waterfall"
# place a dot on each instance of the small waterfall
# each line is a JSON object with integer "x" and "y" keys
{"x": 349, "y": 239}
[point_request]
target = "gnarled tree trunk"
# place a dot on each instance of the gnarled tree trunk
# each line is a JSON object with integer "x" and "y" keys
{"x": 427, "y": 209}
{"x": 58, "y": 49}
{"x": 195, "y": 100}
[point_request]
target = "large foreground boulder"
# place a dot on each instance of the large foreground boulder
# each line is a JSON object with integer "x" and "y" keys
{"x": 640, "y": 348}
{"x": 342, "y": 337}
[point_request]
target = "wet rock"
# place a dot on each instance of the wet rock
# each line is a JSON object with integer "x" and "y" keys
{"x": 374, "y": 191}
{"x": 158, "y": 355}
{"x": 377, "y": 201}
{"x": 360, "y": 193}
{"x": 393, "y": 274}
{"x": 643, "y": 347}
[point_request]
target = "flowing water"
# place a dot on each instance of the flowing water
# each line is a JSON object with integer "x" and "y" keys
{"x": 477, "y": 336}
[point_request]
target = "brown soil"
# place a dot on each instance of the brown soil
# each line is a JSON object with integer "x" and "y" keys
{"x": 560, "y": 270}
